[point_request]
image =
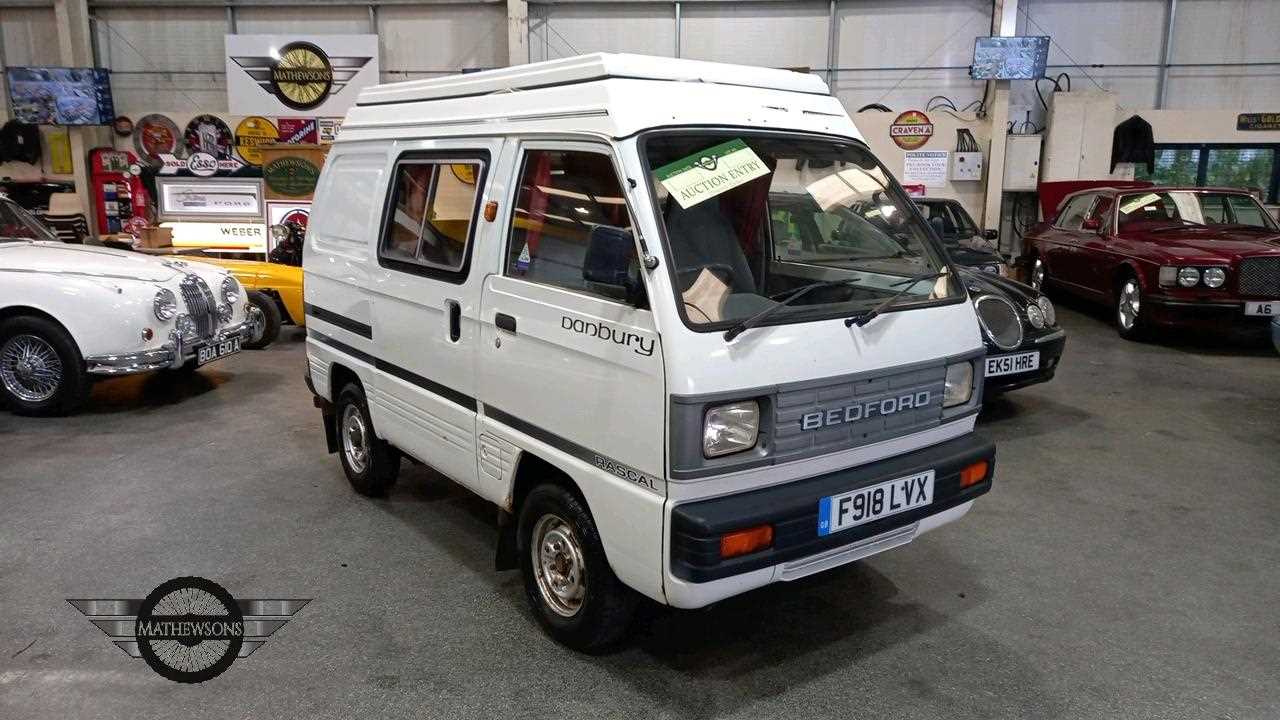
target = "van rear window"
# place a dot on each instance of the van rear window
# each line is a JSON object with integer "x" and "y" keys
{"x": 433, "y": 206}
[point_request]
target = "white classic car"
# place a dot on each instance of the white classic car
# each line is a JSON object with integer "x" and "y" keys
{"x": 69, "y": 313}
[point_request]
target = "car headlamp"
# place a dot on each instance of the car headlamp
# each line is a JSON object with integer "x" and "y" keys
{"x": 730, "y": 428}
{"x": 958, "y": 387}
{"x": 1168, "y": 276}
{"x": 230, "y": 289}
{"x": 165, "y": 304}
{"x": 1050, "y": 313}
{"x": 1035, "y": 316}
{"x": 186, "y": 326}
{"x": 1188, "y": 277}
{"x": 1215, "y": 277}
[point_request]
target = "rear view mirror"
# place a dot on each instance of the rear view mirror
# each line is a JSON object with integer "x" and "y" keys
{"x": 1094, "y": 224}
{"x": 611, "y": 266}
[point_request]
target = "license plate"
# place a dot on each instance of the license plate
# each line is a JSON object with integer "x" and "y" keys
{"x": 1010, "y": 364}
{"x": 1271, "y": 309}
{"x": 858, "y": 507}
{"x": 209, "y": 353}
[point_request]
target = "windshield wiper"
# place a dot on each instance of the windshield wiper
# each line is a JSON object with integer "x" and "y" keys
{"x": 750, "y": 322}
{"x": 874, "y": 312}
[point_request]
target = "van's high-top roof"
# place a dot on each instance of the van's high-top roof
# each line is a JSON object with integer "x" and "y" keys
{"x": 588, "y": 68}
{"x": 605, "y": 95}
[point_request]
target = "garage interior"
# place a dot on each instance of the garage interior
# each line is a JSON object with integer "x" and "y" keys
{"x": 1124, "y": 563}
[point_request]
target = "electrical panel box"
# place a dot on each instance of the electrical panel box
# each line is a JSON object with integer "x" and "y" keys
{"x": 1022, "y": 163}
{"x": 966, "y": 166}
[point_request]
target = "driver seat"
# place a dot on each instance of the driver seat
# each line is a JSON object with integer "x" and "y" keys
{"x": 701, "y": 236}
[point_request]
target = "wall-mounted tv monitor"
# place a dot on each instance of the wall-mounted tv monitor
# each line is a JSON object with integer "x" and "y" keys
{"x": 60, "y": 96}
{"x": 1010, "y": 58}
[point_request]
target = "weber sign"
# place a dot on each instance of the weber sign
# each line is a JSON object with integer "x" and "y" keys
{"x": 275, "y": 75}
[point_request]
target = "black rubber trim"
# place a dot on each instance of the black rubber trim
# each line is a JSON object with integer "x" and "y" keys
{"x": 453, "y": 396}
{"x": 792, "y": 509}
{"x": 342, "y": 321}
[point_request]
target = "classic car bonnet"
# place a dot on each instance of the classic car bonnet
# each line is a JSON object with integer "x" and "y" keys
{"x": 57, "y": 258}
{"x": 1194, "y": 245}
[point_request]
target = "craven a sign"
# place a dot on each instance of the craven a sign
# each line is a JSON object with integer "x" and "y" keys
{"x": 275, "y": 75}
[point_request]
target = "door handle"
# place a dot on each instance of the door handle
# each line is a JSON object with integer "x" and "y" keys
{"x": 455, "y": 319}
{"x": 505, "y": 322}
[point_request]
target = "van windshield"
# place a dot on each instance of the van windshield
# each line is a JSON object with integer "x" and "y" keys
{"x": 752, "y": 218}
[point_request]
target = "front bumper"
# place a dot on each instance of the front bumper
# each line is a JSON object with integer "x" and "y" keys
{"x": 1050, "y": 347}
{"x": 1205, "y": 315}
{"x": 699, "y": 575}
{"x": 173, "y": 354}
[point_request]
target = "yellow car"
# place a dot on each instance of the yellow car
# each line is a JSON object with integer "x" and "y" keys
{"x": 273, "y": 288}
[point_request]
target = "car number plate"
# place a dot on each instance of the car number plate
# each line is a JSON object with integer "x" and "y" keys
{"x": 1010, "y": 364}
{"x": 858, "y": 507}
{"x": 216, "y": 351}
{"x": 1271, "y": 309}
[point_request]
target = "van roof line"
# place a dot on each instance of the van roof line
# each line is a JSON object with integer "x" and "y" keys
{"x": 590, "y": 68}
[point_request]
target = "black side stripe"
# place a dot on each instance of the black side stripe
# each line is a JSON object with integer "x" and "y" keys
{"x": 626, "y": 472}
{"x": 453, "y": 396}
{"x": 341, "y": 321}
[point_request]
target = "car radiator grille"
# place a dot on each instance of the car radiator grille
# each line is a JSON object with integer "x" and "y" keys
{"x": 1260, "y": 276}
{"x": 201, "y": 306}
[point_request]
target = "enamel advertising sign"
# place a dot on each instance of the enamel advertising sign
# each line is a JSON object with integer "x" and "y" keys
{"x": 275, "y": 75}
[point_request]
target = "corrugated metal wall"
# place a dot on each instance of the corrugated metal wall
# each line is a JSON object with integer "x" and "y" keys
{"x": 171, "y": 58}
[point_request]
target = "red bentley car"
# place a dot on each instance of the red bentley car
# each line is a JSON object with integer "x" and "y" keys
{"x": 1163, "y": 256}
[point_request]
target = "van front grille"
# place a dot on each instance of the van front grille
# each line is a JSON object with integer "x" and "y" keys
{"x": 201, "y": 306}
{"x": 1260, "y": 276}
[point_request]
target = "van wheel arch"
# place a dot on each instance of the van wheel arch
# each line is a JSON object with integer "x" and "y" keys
{"x": 531, "y": 471}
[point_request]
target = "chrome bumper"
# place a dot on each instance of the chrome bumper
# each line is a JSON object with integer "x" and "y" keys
{"x": 173, "y": 354}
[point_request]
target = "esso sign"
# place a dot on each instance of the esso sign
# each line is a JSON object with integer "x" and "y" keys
{"x": 202, "y": 164}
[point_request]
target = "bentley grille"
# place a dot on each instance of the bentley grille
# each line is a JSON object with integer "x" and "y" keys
{"x": 1260, "y": 276}
{"x": 201, "y": 306}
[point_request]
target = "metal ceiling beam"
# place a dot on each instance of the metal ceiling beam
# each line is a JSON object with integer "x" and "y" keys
{"x": 107, "y": 4}
{"x": 1166, "y": 53}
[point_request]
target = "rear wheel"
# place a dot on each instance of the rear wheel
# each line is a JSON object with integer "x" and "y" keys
{"x": 370, "y": 463}
{"x": 567, "y": 578}
{"x": 1130, "y": 321}
{"x": 271, "y": 319}
{"x": 41, "y": 370}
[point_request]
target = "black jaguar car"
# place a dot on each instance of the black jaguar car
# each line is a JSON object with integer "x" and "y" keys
{"x": 1019, "y": 328}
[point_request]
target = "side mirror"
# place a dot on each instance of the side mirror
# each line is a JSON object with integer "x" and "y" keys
{"x": 1092, "y": 224}
{"x": 991, "y": 234}
{"x": 611, "y": 267}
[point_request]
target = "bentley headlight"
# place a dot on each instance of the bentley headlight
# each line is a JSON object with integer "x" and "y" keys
{"x": 1035, "y": 316}
{"x": 230, "y": 289}
{"x": 1050, "y": 313}
{"x": 1188, "y": 277}
{"x": 958, "y": 387}
{"x": 730, "y": 428}
{"x": 165, "y": 304}
{"x": 1215, "y": 277}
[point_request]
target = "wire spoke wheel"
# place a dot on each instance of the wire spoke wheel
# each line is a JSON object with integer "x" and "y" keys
{"x": 189, "y": 629}
{"x": 30, "y": 369}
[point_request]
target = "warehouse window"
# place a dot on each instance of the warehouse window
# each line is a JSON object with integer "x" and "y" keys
{"x": 1248, "y": 167}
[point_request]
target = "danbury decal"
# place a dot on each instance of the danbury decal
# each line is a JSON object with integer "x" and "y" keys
{"x": 641, "y": 345}
{"x": 865, "y": 411}
{"x": 626, "y": 473}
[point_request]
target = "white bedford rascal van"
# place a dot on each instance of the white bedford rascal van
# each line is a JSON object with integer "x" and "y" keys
{"x": 673, "y": 318}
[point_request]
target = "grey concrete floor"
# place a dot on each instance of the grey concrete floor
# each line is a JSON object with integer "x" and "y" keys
{"x": 1125, "y": 565}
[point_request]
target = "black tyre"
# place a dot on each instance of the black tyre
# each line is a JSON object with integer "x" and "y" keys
{"x": 567, "y": 578}
{"x": 270, "y": 320}
{"x": 41, "y": 370}
{"x": 371, "y": 464}
{"x": 1130, "y": 319}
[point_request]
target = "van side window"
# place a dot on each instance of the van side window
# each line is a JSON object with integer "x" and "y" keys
{"x": 428, "y": 227}
{"x": 563, "y": 195}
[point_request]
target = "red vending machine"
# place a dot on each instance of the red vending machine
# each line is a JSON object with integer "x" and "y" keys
{"x": 117, "y": 194}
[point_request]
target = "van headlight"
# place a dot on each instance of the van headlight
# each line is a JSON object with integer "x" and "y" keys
{"x": 730, "y": 428}
{"x": 165, "y": 304}
{"x": 959, "y": 384}
{"x": 230, "y": 289}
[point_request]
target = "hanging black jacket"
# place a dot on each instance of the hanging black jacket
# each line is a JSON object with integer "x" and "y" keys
{"x": 1133, "y": 142}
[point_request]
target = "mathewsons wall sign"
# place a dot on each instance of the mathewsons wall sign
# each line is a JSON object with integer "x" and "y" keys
{"x": 275, "y": 75}
{"x": 911, "y": 130}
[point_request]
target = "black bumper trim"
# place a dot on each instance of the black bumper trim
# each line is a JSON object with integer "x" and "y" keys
{"x": 1049, "y": 351}
{"x": 792, "y": 509}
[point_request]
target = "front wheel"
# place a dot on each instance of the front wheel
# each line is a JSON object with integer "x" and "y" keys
{"x": 567, "y": 578}
{"x": 41, "y": 370}
{"x": 1130, "y": 320}
{"x": 269, "y": 329}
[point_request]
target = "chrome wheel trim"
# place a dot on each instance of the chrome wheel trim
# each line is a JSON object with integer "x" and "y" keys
{"x": 559, "y": 564}
{"x": 1037, "y": 274}
{"x": 30, "y": 369}
{"x": 355, "y": 439}
{"x": 259, "y": 328}
{"x": 1129, "y": 304}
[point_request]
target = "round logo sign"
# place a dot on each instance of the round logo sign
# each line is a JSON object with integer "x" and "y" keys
{"x": 252, "y": 132}
{"x": 202, "y": 164}
{"x": 153, "y": 135}
{"x": 123, "y": 126}
{"x": 291, "y": 175}
{"x": 208, "y": 134}
{"x": 911, "y": 130}
{"x": 189, "y": 629}
{"x": 303, "y": 77}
